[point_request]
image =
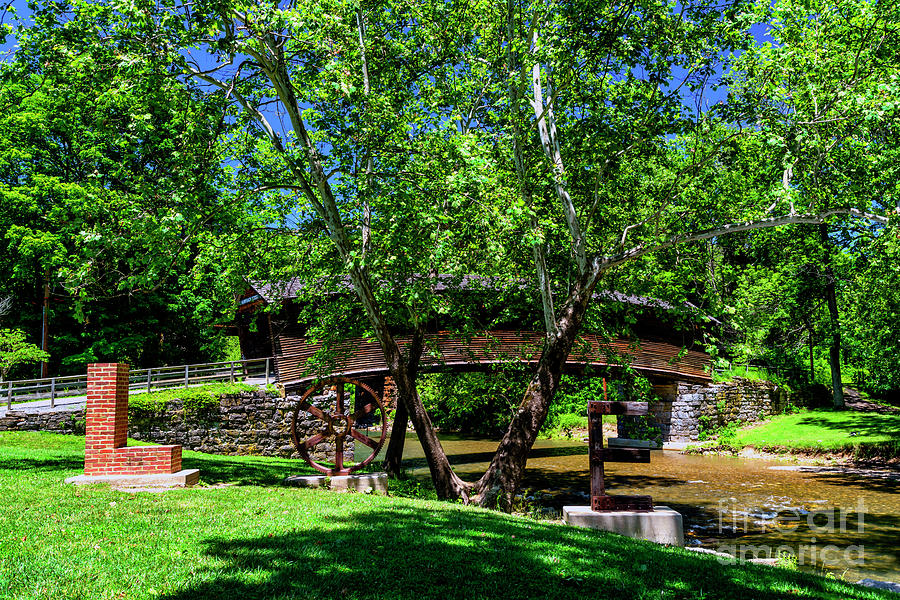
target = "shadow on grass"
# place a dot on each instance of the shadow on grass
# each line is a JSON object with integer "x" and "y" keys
{"x": 864, "y": 424}
{"x": 244, "y": 470}
{"x": 68, "y": 463}
{"x": 451, "y": 553}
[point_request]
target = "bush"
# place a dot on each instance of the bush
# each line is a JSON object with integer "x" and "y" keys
{"x": 483, "y": 403}
{"x": 472, "y": 403}
{"x": 195, "y": 400}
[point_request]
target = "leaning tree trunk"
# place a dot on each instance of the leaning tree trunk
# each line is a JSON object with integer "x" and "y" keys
{"x": 447, "y": 484}
{"x": 498, "y": 486}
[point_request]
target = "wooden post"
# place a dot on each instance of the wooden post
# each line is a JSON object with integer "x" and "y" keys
{"x": 595, "y": 440}
{"x": 186, "y": 375}
{"x": 267, "y": 372}
{"x": 52, "y": 392}
{"x": 231, "y": 373}
{"x": 9, "y": 397}
{"x": 149, "y": 374}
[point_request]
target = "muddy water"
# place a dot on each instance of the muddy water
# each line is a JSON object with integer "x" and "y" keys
{"x": 848, "y": 525}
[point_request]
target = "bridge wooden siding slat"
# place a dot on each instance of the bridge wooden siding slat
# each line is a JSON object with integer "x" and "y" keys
{"x": 364, "y": 358}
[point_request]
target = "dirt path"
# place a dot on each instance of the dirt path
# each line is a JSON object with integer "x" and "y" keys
{"x": 855, "y": 401}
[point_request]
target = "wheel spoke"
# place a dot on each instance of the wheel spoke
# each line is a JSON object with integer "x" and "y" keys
{"x": 339, "y": 453}
{"x": 365, "y": 410}
{"x": 363, "y": 438}
{"x": 339, "y": 409}
{"x": 317, "y": 413}
{"x": 313, "y": 440}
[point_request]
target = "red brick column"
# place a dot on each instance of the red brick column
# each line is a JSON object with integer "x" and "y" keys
{"x": 106, "y": 429}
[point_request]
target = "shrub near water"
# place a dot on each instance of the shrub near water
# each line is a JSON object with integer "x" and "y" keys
{"x": 483, "y": 403}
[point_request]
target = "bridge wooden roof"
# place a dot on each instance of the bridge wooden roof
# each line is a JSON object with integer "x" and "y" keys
{"x": 448, "y": 351}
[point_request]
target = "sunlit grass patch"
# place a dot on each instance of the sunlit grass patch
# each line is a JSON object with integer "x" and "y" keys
{"x": 260, "y": 539}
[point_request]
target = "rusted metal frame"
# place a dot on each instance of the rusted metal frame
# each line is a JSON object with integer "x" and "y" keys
{"x": 600, "y": 500}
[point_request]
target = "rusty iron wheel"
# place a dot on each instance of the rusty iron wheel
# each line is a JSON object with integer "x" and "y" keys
{"x": 338, "y": 426}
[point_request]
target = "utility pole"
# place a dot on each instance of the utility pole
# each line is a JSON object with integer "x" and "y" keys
{"x": 45, "y": 317}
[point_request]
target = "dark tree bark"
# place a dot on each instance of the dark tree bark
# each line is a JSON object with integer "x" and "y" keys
{"x": 404, "y": 370}
{"x": 393, "y": 457}
{"x": 834, "y": 351}
{"x": 500, "y": 483}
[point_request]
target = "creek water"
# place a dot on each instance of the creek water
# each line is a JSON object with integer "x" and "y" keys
{"x": 843, "y": 524}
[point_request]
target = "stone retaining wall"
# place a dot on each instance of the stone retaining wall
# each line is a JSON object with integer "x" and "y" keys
{"x": 61, "y": 421}
{"x": 680, "y": 405}
{"x": 244, "y": 423}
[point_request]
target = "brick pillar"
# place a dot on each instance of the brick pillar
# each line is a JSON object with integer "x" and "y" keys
{"x": 106, "y": 429}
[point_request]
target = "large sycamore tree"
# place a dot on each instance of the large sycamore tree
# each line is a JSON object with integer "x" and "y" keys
{"x": 418, "y": 137}
{"x": 618, "y": 152}
{"x": 607, "y": 119}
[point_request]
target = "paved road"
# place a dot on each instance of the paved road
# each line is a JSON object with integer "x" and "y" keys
{"x": 77, "y": 402}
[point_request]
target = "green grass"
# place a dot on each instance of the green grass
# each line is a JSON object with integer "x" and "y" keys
{"x": 257, "y": 539}
{"x": 824, "y": 430}
{"x": 194, "y": 398}
{"x": 743, "y": 372}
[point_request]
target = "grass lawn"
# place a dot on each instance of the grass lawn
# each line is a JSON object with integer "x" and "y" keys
{"x": 824, "y": 430}
{"x": 257, "y": 539}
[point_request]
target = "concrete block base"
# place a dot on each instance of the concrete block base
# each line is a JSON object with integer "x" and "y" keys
{"x": 183, "y": 478}
{"x": 367, "y": 483}
{"x": 663, "y": 525}
{"x": 306, "y": 481}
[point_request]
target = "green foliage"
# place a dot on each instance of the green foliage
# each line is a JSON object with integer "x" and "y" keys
{"x": 482, "y": 403}
{"x": 565, "y": 424}
{"x": 818, "y": 154}
{"x": 472, "y": 403}
{"x": 196, "y": 400}
{"x": 108, "y": 174}
{"x": 787, "y": 560}
{"x": 15, "y": 351}
{"x": 640, "y": 428}
{"x": 231, "y": 349}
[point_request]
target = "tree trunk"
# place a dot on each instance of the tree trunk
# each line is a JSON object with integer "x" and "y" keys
{"x": 834, "y": 353}
{"x": 498, "y": 486}
{"x": 812, "y": 361}
{"x": 393, "y": 458}
{"x": 447, "y": 484}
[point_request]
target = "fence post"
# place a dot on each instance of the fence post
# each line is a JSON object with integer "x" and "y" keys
{"x": 267, "y": 372}
{"x": 53, "y": 392}
{"x": 149, "y": 372}
{"x": 186, "y": 375}
{"x": 231, "y": 373}
{"x": 9, "y": 397}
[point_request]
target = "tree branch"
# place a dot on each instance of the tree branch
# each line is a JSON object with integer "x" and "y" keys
{"x": 603, "y": 263}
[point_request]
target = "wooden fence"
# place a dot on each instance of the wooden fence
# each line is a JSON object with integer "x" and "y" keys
{"x": 145, "y": 380}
